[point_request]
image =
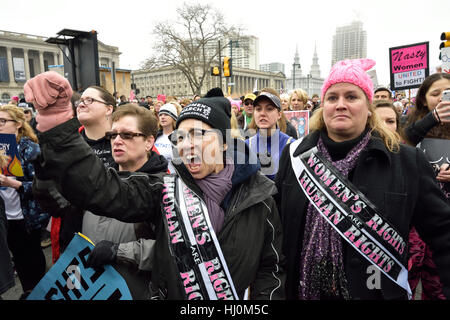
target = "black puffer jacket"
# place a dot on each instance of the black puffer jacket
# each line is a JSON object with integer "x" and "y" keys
{"x": 250, "y": 237}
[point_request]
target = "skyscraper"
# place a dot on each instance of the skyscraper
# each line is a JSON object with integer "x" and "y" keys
{"x": 245, "y": 52}
{"x": 349, "y": 42}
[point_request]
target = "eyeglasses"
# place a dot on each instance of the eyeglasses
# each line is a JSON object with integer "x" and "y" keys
{"x": 3, "y": 121}
{"x": 248, "y": 103}
{"x": 111, "y": 135}
{"x": 194, "y": 136}
{"x": 87, "y": 101}
{"x": 27, "y": 111}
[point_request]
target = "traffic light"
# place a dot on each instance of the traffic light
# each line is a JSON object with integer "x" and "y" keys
{"x": 444, "y": 54}
{"x": 215, "y": 71}
{"x": 227, "y": 67}
{"x": 445, "y": 36}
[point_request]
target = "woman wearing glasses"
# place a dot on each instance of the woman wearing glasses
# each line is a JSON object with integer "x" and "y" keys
{"x": 25, "y": 217}
{"x": 93, "y": 110}
{"x": 124, "y": 244}
{"x": 217, "y": 226}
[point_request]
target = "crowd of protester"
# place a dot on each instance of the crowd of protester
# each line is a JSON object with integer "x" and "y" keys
{"x": 104, "y": 166}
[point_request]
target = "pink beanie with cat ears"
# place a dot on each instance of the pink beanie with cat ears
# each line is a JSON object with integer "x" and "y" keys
{"x": 351, "y": 71}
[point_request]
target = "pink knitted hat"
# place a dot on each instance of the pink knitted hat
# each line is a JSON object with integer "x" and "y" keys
{"x": 351, "y": 71}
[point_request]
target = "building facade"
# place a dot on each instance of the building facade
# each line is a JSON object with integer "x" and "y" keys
{"x": 123, "y": 81}
{"x": 23, "y": 56}
{"x": 311, "y": 82}
{"x": 172, "y": 82}
{"x": 349, "y": 42}
{"x": 274, "y": 67}
{"x": 244, "y": 51}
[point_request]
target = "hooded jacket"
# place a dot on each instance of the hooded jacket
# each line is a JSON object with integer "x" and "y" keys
{"x": 250, "y": 237}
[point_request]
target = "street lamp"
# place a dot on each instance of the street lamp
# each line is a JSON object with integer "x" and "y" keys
{"x": 293, "y": 74}
{"x": 309, "y": 77}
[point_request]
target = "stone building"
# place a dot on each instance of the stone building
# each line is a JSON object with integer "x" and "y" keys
{"x": 23, "y": 56}
{"x": 172, "y": 82}
{"x": 311, "y": 82}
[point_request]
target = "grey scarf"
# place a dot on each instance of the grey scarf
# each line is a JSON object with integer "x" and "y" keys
{"x": 215, "y": 187}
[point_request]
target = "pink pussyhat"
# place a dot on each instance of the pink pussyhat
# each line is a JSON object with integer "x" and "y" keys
{"x": 351, "y": 71}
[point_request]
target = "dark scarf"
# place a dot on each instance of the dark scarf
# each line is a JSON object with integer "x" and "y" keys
{"x": 215, "y": 187}
{"x": 322, "y": 273}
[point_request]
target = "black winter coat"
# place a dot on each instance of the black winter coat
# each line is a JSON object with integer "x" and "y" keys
{"x": 250, "y": 237}
{"x": 401, "y": 185}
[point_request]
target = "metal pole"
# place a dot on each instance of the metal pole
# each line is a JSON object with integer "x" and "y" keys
{"x": 293, "y": 76}
{"x": 231, "y": 58}
{"x": 220, "y": 66}
{"x": 113, "y": 71}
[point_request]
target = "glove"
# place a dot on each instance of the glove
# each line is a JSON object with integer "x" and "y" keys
{"x": 104, "y": 252}
{"x": 50, "y": 94}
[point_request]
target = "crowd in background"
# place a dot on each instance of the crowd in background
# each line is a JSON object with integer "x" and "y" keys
{"x": 140, "y": 136}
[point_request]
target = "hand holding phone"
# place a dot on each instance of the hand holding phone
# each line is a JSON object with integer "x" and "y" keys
{"x": 444, "y": 111}
{"x": 446, "y": 95}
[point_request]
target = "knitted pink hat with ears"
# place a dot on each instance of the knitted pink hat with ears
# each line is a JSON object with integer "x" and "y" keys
{"x": 351, "y": 71}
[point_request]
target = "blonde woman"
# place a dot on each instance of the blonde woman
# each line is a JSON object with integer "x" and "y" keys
{"x": 382, "y": 187}
{"x": 6, "y": 270}
{"x": 25, "y": 217}
{"x": 298, "y": 100}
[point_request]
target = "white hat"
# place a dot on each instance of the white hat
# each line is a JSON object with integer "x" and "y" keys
{"x": 170, "y": 110}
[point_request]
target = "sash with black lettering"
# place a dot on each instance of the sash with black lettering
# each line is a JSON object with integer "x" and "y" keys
{"x": 202, "y": 270}
{"x": 351, "y": 214}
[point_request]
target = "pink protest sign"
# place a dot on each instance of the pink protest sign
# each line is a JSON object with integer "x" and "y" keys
{"x": 409, "y": 58}
{"x": 409, "y": 65}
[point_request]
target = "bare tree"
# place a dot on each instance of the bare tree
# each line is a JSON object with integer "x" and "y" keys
{"x": 190, "y": 44}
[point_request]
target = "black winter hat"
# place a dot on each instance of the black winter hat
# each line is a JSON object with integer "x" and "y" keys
{"x": 213, "y": 109}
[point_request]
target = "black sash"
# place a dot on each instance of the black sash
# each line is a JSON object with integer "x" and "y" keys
{"x": 351, "y": 214}
{"x": 196, "y": 252}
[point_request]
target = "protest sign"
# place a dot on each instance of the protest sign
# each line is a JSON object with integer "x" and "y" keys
{"x": 71, "y": 279}
{"x": 9, "y": 145}
{"x": 300, "y": 121}
{"x": 445, "y": 58}
{"x": 409, "y": 65}
{"x": 437, "y": 151}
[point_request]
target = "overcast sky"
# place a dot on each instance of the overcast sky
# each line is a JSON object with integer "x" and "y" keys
{"x": 280, "y": 25}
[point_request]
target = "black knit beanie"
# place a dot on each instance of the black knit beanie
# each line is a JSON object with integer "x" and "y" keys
{"x": 213, "y": 110}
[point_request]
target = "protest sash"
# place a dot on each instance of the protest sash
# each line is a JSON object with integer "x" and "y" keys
{"x": 195, "y": 250}
{"x": 351, "y": 214}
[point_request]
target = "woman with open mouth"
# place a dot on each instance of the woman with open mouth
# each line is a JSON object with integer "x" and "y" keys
{"x": 217, "y": 228}
{"x": 269, "y": 141}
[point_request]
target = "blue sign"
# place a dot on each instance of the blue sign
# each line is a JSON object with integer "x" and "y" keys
{"x": 8, "y": 145}
{"x": 70, "y": 279}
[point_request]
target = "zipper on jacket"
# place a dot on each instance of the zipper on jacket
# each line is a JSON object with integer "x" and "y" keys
{"x": 229, "y": 215}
